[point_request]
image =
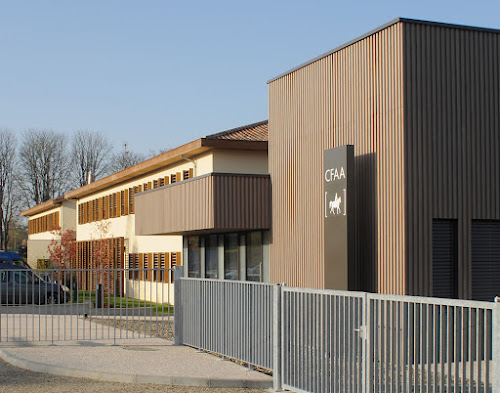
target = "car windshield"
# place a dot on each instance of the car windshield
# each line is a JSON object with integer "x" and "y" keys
{"x": 25, "y": 277}
{"x": 18, "y": 262}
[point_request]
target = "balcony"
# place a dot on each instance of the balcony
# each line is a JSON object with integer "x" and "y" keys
{"x": 216, "y": 202}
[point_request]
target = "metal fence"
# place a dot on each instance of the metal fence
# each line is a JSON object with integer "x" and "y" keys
{"x": 431, "y": 345}
{"x": 342, "y": 341}
{"x": 84, "y": 304}
{"x": 218, "y": 314}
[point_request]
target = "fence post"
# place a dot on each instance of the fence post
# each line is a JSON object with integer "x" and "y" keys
{"x": 277, "y": 291}
{"x": 496, "y": 345}
{"x": 366, "y": 334}
{"x": 178, "y": 317}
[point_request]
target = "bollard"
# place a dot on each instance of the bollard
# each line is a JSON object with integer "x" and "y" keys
{"x": 99, "y": 296}
{"x": 75, "y": 292}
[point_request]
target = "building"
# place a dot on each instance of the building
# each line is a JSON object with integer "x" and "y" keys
{"x": 412, "y": 110}
{"x": 420, "y": 103}
{"x": 106, "y": 213}
{"x": 46, "y": 223}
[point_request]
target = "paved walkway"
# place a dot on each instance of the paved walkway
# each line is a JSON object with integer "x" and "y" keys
{"x": 145, "y": 360}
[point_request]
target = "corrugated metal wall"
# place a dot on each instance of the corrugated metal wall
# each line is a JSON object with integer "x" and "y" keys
{"x": 452, "y": 89}
{"x": 353, "y": 96}
{"x": 208, "y": 203}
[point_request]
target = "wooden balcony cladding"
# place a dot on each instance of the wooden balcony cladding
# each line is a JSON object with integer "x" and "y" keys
{"x": 213, "y": 202}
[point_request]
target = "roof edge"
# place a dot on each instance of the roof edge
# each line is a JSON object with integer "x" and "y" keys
{"x": 259, "y": 123}
{"x": 150, "y": 165}
{"x": 42, "y": 207}
{"x": 378, "y": 29}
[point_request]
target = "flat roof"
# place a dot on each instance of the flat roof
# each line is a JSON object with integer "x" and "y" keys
{"x": 43, "y": 207}
{"x": 378, "y": 29}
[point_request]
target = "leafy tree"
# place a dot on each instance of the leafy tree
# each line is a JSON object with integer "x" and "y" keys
{"x": 62, "y": 249}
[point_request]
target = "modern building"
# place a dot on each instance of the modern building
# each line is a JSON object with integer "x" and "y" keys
{"x": 420, "y": 103}
{"x": 383, "y": 175}
{"x": 47, "y": 221}
{"x": 106, "y": 213}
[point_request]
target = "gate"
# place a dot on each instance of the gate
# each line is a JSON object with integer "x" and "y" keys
{"x": 342, "y": 341}
{"x": 84, "y": 304}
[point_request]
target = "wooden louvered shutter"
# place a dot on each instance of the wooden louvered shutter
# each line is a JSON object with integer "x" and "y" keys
{"x": 126, "y": 202}
{"x": 118, "y": 204}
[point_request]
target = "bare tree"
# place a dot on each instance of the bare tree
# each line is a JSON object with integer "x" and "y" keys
{"x": 125, "y": 159}
{"x": 44, "y": 165}
{"x": 90, "y": 155}
{"x": 8, "y": 200}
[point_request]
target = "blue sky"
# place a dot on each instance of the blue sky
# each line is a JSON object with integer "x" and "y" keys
{"x": 158, "y": 74}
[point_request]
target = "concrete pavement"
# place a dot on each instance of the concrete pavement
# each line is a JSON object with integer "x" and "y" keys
{"x": 143, "y": 360}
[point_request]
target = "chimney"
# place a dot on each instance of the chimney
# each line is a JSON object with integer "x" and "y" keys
{"x": 89, "y": 177}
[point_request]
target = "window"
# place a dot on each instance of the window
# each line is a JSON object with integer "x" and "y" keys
{"x": 254, "y": 256}
{"x": 231, "y": 257}
{"x": 211, "y": 256}
{"x": 194, "y": 266}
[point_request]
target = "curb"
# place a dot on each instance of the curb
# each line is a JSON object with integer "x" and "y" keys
{"x": 131, "y": 378}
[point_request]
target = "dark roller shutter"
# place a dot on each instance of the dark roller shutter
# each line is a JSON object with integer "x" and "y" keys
{"x": 485, "y": 259}
{"x": 444, "y": 258}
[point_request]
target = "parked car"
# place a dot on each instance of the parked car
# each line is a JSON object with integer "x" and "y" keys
{"x": 21, "y": 285}
{"x": 12, "y": 258}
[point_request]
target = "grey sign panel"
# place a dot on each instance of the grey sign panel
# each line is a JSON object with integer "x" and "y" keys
{"x": 338, "y": 198}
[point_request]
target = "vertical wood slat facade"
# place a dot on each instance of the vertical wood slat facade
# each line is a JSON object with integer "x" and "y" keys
{"x": 352, "y": 96}
{"x": 420, "y": 102}
{"x": 452, "y": 127}
{"x": 208, "y": 203}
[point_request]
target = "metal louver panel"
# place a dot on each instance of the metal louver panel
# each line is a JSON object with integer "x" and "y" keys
{"x": 444, "y": 259}
{"x": 485, "y": 259}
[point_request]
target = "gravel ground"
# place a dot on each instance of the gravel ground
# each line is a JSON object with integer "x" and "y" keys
{"x": 150, "y": 328}
{"x": 16, "y": 380}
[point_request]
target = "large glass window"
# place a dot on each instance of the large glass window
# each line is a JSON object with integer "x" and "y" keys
{"x": 194, "y": 256}
{"x": 211, "y": 256}
{"x": 254, "y": 256}
{"x": 231, "y": 257}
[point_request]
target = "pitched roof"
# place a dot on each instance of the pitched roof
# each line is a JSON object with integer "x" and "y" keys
{"x": 255, "y": 132}
{"x": 246, "y": 137}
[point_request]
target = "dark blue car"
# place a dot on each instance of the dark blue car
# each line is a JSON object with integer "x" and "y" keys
{"x": 12, "y": 258}
{"x": 21, "y": 285}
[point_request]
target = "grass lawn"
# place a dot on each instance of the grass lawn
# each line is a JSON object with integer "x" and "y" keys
{"x": 124, "y": 302}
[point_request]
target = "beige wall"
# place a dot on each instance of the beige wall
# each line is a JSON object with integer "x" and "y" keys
{"x": 68, "y": 215}
{"x": 37, "y": 249}
{"x": 240, "y": 161}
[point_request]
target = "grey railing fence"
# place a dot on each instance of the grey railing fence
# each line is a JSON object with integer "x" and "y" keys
{"x": 341, "y": 341}
{"x": 218, "y": 314}
{"x": 84, "y": 304}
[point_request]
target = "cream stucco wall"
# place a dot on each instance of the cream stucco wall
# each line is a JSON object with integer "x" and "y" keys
{"x": 68, "y": 215}
{"x": 240, "y": 161}
{"x": 124, "y": 226}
